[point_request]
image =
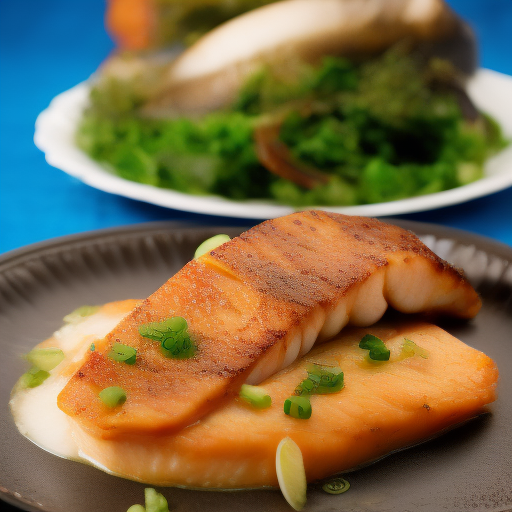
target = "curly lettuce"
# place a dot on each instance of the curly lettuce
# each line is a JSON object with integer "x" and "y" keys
{"x": 382, "y": 130}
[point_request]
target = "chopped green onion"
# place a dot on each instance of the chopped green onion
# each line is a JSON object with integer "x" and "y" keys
{"x": 45, "y": 358}
{"x": 173, "y": 336}
{"x": 178, "y": 345}
{"x": 321, "y": 380}
{"x": 298, "y": 407}
{"x": 80, "y": 313}
{"x": 307, "y": 386}
{"x": 336, "y": 486}
{"x": 211, "y": 244}
{"x": 123, "y": 353}
{"x": 92, "y": 348}
{"x": 33, "y": 378}
{"x": 410, "y": 349}
{"x": 155, "y": 502}
{"x": 159, "y": 330}
{"x": 113, "y": 396}
{"x": 136, "y": 508}
{"x": 378, "y": 351}
{"x": 255, "y": 396}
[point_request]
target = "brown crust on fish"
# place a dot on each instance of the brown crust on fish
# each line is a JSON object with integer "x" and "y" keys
{"x": 356, "y": 247}
{"x": 240, "y": 300}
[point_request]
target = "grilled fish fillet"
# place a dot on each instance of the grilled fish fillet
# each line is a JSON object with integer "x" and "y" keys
{"x": 253, "y": 306}
{"x": 382, "y": 407}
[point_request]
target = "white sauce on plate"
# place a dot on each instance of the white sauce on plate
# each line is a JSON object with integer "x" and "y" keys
{"x": 35, "y": 410}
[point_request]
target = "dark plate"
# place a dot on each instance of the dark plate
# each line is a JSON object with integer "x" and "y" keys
{"x": 469, "y": 468}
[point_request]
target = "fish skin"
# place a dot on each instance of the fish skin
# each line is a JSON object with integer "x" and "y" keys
{"x": 247, "y": 299}
{"x": 382, "y": 408}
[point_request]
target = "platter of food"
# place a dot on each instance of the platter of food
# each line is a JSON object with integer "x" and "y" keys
{"x": 468, "y": 467}
{"x": 354, "y": 108}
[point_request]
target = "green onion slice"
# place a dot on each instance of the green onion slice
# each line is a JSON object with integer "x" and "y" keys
{"x": 336, "y": 486}
{"x": 255, "y": 396}
{"x": 45, "y": 358}
{"x": 33, "y": 378}
{"x": 113, "y": 396}
{"x": 80, "y": 313}
{"x": 136, "y": 508}
{"x": 159, "y": 330}
{"x": 298, "y": 407}
{"x": 306, "y": 387}
{"x": 321, "y": 380}
{"x": 155, "y": 502}
{"x": 123, "y": 353}
{"x": 92, "y": 348}
{"x": 378, "y": 351}
{"x": 410, "y": 349}
{"x": 211, "y": 244}
{"x": 173, "y": 336}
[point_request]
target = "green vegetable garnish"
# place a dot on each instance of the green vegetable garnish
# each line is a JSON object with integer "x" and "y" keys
{"x": 321, "y": 380}
{"x": 378, "y": 351}
{"x": 255, "y": 396}
{"x": 336, "y": 486}
{"x": 80, "y": 313}
{"x": 92, "y": 348}
{"x": 45, "y": 358}
{"x": 291, "y": 474}
{"x": 211, "y": 244}
{"x": 123, "y": 353}
{"x": 298, "y": 407}
{"x": 155, "y": 502}
{"x": 113, "y": 396}
{"x": 33, "y": 378}
{"x": 172, "y": 334}
{"x": 377, "y": 128}
{"x": 136, "y": 508}
{"x": 410, "y": 349}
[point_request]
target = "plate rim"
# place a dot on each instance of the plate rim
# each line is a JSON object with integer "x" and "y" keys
{"x": 10, "y": 258}
{"x": 62, "y": 153}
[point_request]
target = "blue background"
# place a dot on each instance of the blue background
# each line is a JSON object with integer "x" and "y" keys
{"x": 49, "y": 46}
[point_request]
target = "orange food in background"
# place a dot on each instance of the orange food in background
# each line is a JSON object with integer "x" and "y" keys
{"x": 131, "y": 23}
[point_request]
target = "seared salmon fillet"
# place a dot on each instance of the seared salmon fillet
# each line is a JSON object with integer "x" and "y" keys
{"x": 383, "y": 406}
{"x": 253, "y": 306}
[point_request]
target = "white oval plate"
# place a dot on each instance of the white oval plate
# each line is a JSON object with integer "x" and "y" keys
{"x": 55, "y": 136}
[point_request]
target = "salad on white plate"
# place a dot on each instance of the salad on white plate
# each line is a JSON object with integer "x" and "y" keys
{"x": 333, "y": 110}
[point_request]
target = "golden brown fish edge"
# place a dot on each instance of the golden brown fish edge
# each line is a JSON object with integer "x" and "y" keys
{"x": 248, "y": 455}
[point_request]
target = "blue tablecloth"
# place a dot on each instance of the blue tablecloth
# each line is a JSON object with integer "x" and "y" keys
{"x": 47, "y": 47}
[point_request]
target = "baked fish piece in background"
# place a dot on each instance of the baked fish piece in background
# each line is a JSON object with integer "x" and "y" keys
{"x": 211, "y": 73}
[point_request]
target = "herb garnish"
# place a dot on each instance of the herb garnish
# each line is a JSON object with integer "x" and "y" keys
{"x": 113, "y": 396}
{"x": 173, "y": 336}
{"x": 256, "y": 396}
{"x": 378, "y": 351}
{"x": 123, "y": 353}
